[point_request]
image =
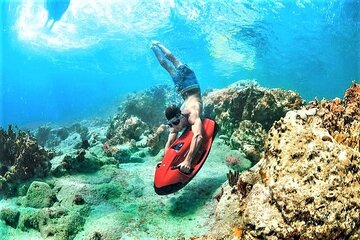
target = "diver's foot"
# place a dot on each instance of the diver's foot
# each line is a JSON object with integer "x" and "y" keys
{"x": 154, "y": 43}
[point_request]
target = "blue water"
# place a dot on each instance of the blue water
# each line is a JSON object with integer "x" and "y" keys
{"x": 99, "y": 51}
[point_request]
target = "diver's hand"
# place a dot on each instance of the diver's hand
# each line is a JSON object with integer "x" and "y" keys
{"x": 185, "y": 167}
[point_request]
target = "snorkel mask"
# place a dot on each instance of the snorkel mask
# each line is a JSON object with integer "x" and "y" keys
{"x": 175, "y": 120}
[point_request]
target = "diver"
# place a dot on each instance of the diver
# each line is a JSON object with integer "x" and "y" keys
{"x": 189, "y": 115}
{"x": 55, "y": 9}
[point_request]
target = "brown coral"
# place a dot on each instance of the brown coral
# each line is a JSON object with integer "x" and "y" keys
{"x": 157, "y": 139}
{"x": 342, "y": 117}
{"x": 20, "y": 159}
{"x": 124, "y": 130}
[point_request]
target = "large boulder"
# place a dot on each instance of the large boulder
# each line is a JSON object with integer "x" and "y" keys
{"x": 245, "y": 100}
{"x": 39, "y": 195}
{"x": 305, "y": 187}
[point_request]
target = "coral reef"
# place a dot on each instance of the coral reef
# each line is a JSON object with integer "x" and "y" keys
{"x": 245, "y": 100}
{"x": 156, "y": 140}
{"x": 149, "y": 105}
{"x": 124, "y": 130}
{"x": 51, "y": 137}
{"x": 245, "y": 111}
{"x": 249, "y": 137}
{"x": 342, "y": 117}
{"x": 305, "y": 187}
{"x": 139, "y": 120}
{"x": 21, "y": 159}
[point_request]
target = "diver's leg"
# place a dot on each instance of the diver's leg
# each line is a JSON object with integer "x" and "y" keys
{"x": 162, "y": 61}
{"x": 46, "y": 23}
{"x": 51, "y": 24}
{"x": 169, "y": 55}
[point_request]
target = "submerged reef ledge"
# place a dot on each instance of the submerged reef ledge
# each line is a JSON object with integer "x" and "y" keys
{"x": 307, "y": 185}
{"x": 295, "y": 172}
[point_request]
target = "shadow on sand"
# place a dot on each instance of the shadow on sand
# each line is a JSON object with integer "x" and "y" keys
{"x": 195, "y": 195}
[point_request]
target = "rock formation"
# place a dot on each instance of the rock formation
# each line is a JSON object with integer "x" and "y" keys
{"x": 245, "y": 111}
{"x": 342, "y": 117}
{"x": 307, "y": 185}
{"x": 125, "y": 130}
{"x": 149, "y": 105}
{"x": 245, "y": 100}
{"x": 139, "y": 120}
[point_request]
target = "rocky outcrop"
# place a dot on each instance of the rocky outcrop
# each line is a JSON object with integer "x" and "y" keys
{"x": 21, "y": 159}
{"x": 245, "y": 100}
{"x": 249, "y": 137}
{"x": 51, "y": 136}
{"x": 307, "y": 185}
{"x": 125, "y": 130}
{"x": 342, "y": 117}
{"x": 39, "y": 195}
{"x": 149, "y": 105}
{"x": 246, "y": 111}
{"x": 139, "y": 120}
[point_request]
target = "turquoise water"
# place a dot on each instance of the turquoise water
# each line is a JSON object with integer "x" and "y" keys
{"x": 99, "y": 51}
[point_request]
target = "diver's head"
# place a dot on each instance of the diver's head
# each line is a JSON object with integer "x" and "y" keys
{"x": 176, "y": 120}
{"x": 172, "y": 111}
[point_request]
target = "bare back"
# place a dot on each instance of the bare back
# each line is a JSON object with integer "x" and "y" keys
{"x": 192, "y": 106}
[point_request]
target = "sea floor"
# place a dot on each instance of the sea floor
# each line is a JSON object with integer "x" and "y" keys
{"x": 123, "y": 204}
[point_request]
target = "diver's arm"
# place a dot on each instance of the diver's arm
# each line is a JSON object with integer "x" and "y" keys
{"x": 196, "y": 140}
{"x": 171, "y": 139}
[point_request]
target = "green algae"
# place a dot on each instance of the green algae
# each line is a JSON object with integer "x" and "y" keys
{"x": 39, "y": 195}
{"x": 57, "y": 223}
{"x": 10, "y": 216}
